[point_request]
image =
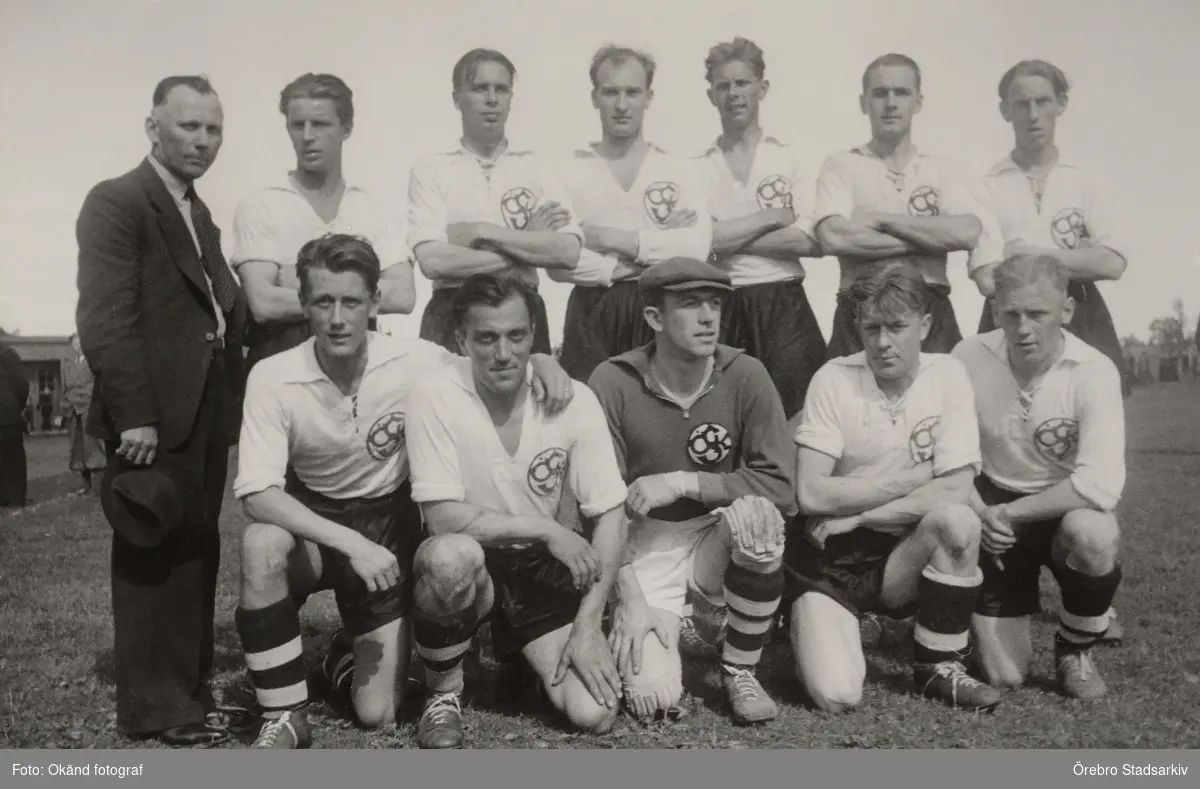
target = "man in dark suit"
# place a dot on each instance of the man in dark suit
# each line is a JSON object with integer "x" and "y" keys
{"x": 160, "y": 319}
{"x": 14, "y": 391}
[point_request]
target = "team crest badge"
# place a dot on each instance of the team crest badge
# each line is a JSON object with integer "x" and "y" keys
{"x": 660, "y": 199}
{"x": 1057, "y": 438}
{"x": 386, "y": 435}
{"x": 546, "y": 471}
{"x": 1068, "y": 228}
{"x": 922, "y": 439}
{"x": 924, "y": 201}
{"x": 709, "y": 444}
{"x": 517, "y": 207}
{"x": 774, "y": 191}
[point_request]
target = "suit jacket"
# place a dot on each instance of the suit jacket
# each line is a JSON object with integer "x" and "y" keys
{"x": 145, "y": 317}
{"x": 14, "y": 388}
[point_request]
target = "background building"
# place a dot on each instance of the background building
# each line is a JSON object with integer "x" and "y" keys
{"x": 43, "y": 357}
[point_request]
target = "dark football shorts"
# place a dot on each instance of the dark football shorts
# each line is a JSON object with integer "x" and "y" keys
{"x": 944, "y": 334}
{"x": 437, "y": 322}
{"x": 602, "y": 323}
{"x": 1014, "y": 590}
{"x": 534, "y": 597}
{"x": 393, "y": 521}
{"x": 849, "y": 570}
{"x": 774, "y": 323}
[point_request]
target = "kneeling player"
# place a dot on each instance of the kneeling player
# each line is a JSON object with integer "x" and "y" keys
{"x": 1053, "y": 438}
{"x": 888, "y": 447}
{"x": 700, "y": 433}
{"x": 489, "y": 470}
{"x": 333, "y": 409}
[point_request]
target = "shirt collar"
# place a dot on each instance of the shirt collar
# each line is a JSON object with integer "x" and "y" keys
{"x": 176, "y": 187}
{"x": 766, "y": 139}
{"x": 509, "y": 150}
{"x": 302, "y": 367}
{"x": 289, "y": 184}
{"x": 1007, "y": 165}
{"x": 590, "y": 150}
{"x": 865, "y": 150}
{"x": 860, "y": 360}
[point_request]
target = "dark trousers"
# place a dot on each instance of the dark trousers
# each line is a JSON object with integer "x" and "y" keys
{"x": 774, "y": 323}
{"x": 163, "y": 602}
{"x": 13, "y": 476}
{"x": 437, "y": 323}
{"x": 602, "y": 323}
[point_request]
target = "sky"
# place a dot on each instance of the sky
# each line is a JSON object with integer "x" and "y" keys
{"x": 76, "y": 78}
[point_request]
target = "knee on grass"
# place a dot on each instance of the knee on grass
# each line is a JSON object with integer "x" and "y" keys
{"x": 837, "y": 692}
{"x": 585, "y": 715}
{"x": 448, "y": 570}
{"x": 374, "y": 711}
{"x": 1089, "y": 540}
{"x": 659, "y": 684}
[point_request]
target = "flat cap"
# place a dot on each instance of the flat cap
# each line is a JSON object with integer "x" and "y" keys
{"x": 682, "y": 273}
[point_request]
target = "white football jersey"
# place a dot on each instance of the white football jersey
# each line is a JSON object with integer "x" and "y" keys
{"x": 1070, "y": 426}
{"x": 782, "y": 176}
{"x": 341, "y": 447}
{"x": 665, "y": 185}
{"x": 459, "y": 186}
{"x": 846, "y": 416}
{"x": 858, "y": 181}
{"x": 273, "y": 224}
{"x": 1074, "y": 210}
{"x": 457, "y": 455}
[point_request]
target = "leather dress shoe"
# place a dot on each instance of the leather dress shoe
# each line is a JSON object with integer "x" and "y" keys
{"x": 218, "y": 724}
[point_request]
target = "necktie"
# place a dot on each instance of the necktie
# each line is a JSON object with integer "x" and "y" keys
{"x": 223, "y": 286}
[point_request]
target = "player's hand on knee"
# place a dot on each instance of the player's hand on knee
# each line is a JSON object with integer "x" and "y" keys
{"x": 578, "y": 555}
{"x": 139, "y": 445}
{"x": 650, "y": 493}
{"x": 821, "y": 529}
{"x": 680, "y": 219}
{"x": 592, "y": 658}
{"x": 552, "y": 387}
{"x": 633, "y": 622}
{"x": 549, "y": 216}
{"x": 376, "y": 566}
{"x": 755, "y": 525}
{"x": 997, "y": 534}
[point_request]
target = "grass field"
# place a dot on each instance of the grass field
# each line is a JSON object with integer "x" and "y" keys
{"x": 56, "y": 685}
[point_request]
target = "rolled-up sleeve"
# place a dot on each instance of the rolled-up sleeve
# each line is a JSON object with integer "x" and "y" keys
{"x": 1099, "y": 473}
{"x": 255, "y": 234}
{"x": 426, "y": 206}
{"x": 263, "y": 447}
{"x": 432, "y": 448}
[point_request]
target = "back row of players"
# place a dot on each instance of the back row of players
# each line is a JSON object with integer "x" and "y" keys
{"x": 892, "y": 516}
{"x": 751, "y": 204}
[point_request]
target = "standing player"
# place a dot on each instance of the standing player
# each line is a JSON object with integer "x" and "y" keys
{"x": 271, "y": 225}
{"x": 888, "y": 447}
{"x": 699, "y": 432}
{"x": 885, "y": 200}
{"x": 489, "y": 469}
{"x": 1048, "y": 205}
{"x": 332, "y": 409}
{"x": 760, "y": 197}
{"x": 1053, "y": 437}
{"x": 486, "y": 207}
{"x": 637, "y": 205}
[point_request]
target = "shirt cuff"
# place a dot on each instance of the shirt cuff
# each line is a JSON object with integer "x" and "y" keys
{"x": 1093, "y": 492}
{"x": 423, "y": 493}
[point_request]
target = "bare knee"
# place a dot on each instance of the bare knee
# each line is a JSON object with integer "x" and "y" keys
{"x": 265, "y": 552}
{"x": 447, "y": 569}
{"x": 955, "y": 528}
{"x": 374, "y": 711}
{"x": 834, "y": 684}
{"x": 1090, "y": 538}
{"x": 587, "y": 716}
{"x": 1003, "y": 674}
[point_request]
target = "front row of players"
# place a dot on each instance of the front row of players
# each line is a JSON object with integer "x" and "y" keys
{"x": 427, "y": 490}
